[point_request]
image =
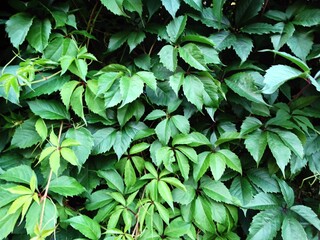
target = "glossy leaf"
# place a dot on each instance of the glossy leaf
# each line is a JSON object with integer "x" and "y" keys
{"x": 66, "y": 186}
{"x": 49, "y": 109}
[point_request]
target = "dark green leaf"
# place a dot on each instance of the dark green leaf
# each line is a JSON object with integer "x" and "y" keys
{"x": 262, "y": 179}
{"x": 307, "y": 17}
{"x": 260, "y": 28}
{"x": 287, "y": 192}
{"x": 262, "y": 201}
{"x": 292, "y": 229}
{"x": 301, "y": 43}
{"x": 256, "y": 144}
{"x": 103, "y": 140}
{"x": 113, "y": 178}
{"x": 115, "y": 6}
{"x": 243, "y": 46}
{"x": 278, "y": 40}
{"x": 49, "y": 109}
{"x": 247, "y": 9}
{"x": 196, "y": 4}
{"x": 26, "y": 135}
{"x": 241, "y": 189}
{"x": 249, "y": 125}
{"x": 134, "y": 39}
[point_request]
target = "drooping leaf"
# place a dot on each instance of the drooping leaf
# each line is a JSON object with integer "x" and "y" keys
{"x": 49, "y": 109}
{"x": 18, "y": 27}
{"x": 277, "y": 75}
{"x": 88, "y": 227}
{"x": 66, "y": 186}
{"x": 39, "y": 33}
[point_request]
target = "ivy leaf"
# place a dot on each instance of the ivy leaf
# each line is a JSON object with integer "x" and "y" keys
{"x": 260, "y": 28}
{"x": 216, "y": 190}
{"x": 184, "y": 197}
{"x": 265, "y": 225}
{"x": 169, "y": 57}
{"x": 262, "y": 201}
{"x": 193, "y": 89}
{"x": 66, "y": 92}
{"x": 123, "y": 140}
{"x": 69, "y": 156}
{"x": 49, "y": 109}
{"x": 242, "y": 189}
{"x": 247, "y": 9}
{"x": 26, "y": 135}
{"x": 130, "y": 88}
{"x": 176, "y": 27}
{"x": 262, "y": 179}
{"x": 256, "y": 144}
{"x": 103, "y": 140}
{"x": 308, "y": 214}
{"x": 292, "y": 229}
{"x": 134, "y": 39}
{"x": 301, "y": 43}
{"x": 277, "y": 75}
{"x": 39, "y": 33}
{"x": 171, "y": 6}
{"x": 113, "y": 96}
{"x": 244, "y": 85}
{"x": 88, "y": 227}
{"x": 243, "y": 46}
{"x": 192, "y": 55}
{"x": 66, "y": 186}
{"x": 223, "y": 39}
{"x": 307, "y": 17}
{"x": 278, "y": 40}
{"x": 18, "y": 27}
{"x": 115, "y": 6}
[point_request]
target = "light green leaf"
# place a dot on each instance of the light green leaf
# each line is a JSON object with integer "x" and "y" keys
{"x": 181, "y": 123}
{"x": 308, "y": 214}
{"x": 130, "y": 88}
{"x": 129, "y": 174}
{"x": 292, "y": 229}
{"x": 134, "y": 39}
{"x": 18, "y": 27}
{"x": 115, "y": 6}
{"x": 244, "y": 85}
{"x": 171, "y": 6}
{"x": 39, "y": 33}
{"x": 66, "y": 92}
{"x": 203, "y": 216}
{"x": 265, "y": 225}
{"x": 148, "y": 78}
{"x": 165, "y": 193}
{"x": 301, "y": 43}
{"x": 169, "y": 57}
{"x": 177, "y": 228}
{"x": 76, "y": 102}
{"x": 123, "y": 140}
{"x": 176, "y": 27}
{"x": 193, "y": 56}
{"x": 41, "y": 129}
{"x": 232, "y": 160}
{"x": 256, "y": 144}
{"x": 216, "y": 190}
{"x": 86, "y": 226}
{"x": 277, "y": 75}
{"x": 193, "y": 89}
{"x": 163, "y": 212}
{"x": 18, "y": 174}
{"x": 7, "y": 222}
{"x": 241, "y": 189}
{"x": 183, "y": 164}
{"x": 54, "y": 161}
{"x": 217, "y": 165}
{"x": 189, "y": 152}
{"x": 26, "y": 135}
{"x": 176, "y": 80}
{"x": 49, "y": 109}
{"x": 163, "y": 131}
{"x": 194, "y": 139}
{"x": 279, "y": 150}
{"x": 243, "y": 46}
{"x": 184, "y": 197}
{"x": 247, "y": 9}
{"x": 155, "y": 114}
{"x": 66, "y": 186}
{"x": 196, "y": 4}
{"x": 98, "y": 199}
{"x": 113, "y": 96}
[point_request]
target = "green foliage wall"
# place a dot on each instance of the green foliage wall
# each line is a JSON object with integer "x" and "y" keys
{"x": 159, "y": 119}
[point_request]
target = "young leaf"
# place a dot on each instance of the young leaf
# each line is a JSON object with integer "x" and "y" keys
{"x": 49, "y": 109}
{"x": 69, "y": 156}
{"x": 18, "y": 27}
{"x": 292, "y": 229}
{"x": 265, "y": 225}
{"x": 176, "y": 27}
{"x": 39, "y": 33}
{"x": 88, "y": 227}
{"x": 66, "y": 186}
{"x": 41, "y": 129}
{"x": 277, "y": 75}
{"x": 169, "y": 57}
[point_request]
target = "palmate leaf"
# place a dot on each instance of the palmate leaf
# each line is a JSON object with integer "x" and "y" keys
{"x": 265, "y": 225}
{"x": 88, "y": 227}
{"x": 39, "y": 33}
{"x": 18, "y": 27}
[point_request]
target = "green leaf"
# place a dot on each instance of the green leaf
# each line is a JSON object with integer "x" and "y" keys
{"x": 260, "y": 28}
{"x": 301, "y": 43}
{"x": 183, "y": 164}
{"x": 262, "y": 179}
{"x": 115, "y": 6}
{"x": 193, "y": 56}
{"x": 276, "y": 15}
{"x": 208, "y": 18}
{"x": 176, "y": 80}
{"x": 216, "y": 190}
{"x": 26, "y": 135}
{"x": 69, "y": 156}
{"x": 247, "y": 9}
{"x": 103, "y": 140}
{"x": 308, "y": 214}
{"x": 94, "y": 103}
{"x": 244, "y": 85}
{"x": 232, "y": 160}
{"x": 18, "y": 174}
{"x": 98, "y": 199}
{"x": 117, "y": 40}
{"x": 18, "y": 27}
{"x": 134, "y": 39}
{"x": 155, "y": 114}
{"x": 292, "y": 229}
{"x": 133, "y": 6}
{"x": 241, "y": 189}
{"x": 249, "y": 125}
{"x": 218, "y": 9}
{"x": 203, "y": 215}
{"x": 86, "y": 226}
{"x": 130, "y": 88}
{"x": 66, "y": 186}
{"x": 291, "y": 141}
{"x": 177, "y": 228}
{"x": 307, "y": 17}
{"x": 256, "y": 144}
{"x": 176, "y": 27}
{"x": 217, "y": 165}
{"x": 194, "y": 139}
{"x": 113, "y": 96}
{"x": 287, "y": 192}
{"x": 113, "y": 178}
{"x": 265, "y": 225}
{"x": 38, "y": 35}
{"x": 41, "y": 129}
{"x": 278, "y": 40}
{"x": 277, "y": 75}
{"x": 129, "y": 174}
{"x": 123, "y": 140}
{"x": 196, "y": 4}
{"x": 181, "y": 123}
{"x": 223, "y": 39}
{"x": 169, "y": 57}
{"x": 193, "y": 89}
{"x": 262, "y": 201}
{"x": 148, "y": 78}
{"x": 243, "y": 46}
{"x": 7, "y": 222}
{"x": 163, "y": 212}
{"x": 49, "y": 109}
{"x": 189, "y": 152}
{"x": 165, "y": 193}
{"x": 163, "y": 131}
{"x": 77, "y": 103}
{"x": 279, "y": 150}
{"x": 171, "y": 6}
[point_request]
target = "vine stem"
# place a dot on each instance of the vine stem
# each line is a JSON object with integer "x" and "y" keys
{"x": 45, "y": 195}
